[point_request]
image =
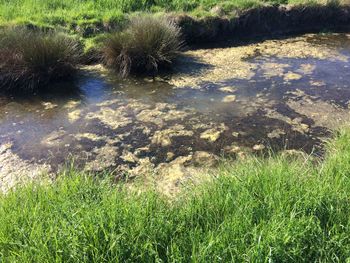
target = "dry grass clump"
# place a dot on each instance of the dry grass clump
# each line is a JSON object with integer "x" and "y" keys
{"x": 31, "y": 59}
{"x": 146, "y": 45}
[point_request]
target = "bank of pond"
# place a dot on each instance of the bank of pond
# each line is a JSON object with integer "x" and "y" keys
{"x": 33, "y": 56}
{"x": 32, "y": 59}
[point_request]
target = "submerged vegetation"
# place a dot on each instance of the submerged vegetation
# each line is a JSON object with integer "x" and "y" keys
{"x": 278, "y": 209}
{"x": 148, "y": 43}
{"x": 31, "y": 59}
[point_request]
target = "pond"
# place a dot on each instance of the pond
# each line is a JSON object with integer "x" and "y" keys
{"x": 276, "y": 94}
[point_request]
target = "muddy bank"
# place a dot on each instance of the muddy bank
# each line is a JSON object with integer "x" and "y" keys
{"x": 241, "y": 28}
{"x": 267, "y": 22}
{"x": 256, "y": 22}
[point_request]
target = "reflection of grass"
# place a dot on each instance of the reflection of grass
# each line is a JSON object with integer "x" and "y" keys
{"x": 31, "y": 59}
{"x": 256, "y": 210}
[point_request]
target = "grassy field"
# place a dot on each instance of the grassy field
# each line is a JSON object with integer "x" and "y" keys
{"x": 82, "y": 12}
{"x": 257, "y": 210}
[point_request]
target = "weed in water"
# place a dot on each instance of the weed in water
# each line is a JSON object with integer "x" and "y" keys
{"x": 147, "y": 44}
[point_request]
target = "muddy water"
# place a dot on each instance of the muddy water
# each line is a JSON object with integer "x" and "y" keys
{"x": 280, "y": 94}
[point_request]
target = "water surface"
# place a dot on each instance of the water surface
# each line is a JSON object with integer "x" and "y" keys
{"x": 280, "y": 94}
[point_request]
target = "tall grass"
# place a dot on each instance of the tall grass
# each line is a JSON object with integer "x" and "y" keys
{"x": 31, "y": 59}
{"x": 278, "y": 209}
{"x": 147, "y": 44}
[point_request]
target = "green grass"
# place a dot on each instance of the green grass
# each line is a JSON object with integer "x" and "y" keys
{"x": 277, "y": 209}
{"x": 30, "y": 60}
{"x": 147, "y": 45}
{"x": 70, "y": 13}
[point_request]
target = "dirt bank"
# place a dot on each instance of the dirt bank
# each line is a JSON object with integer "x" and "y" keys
{"x": 246, "y": 26}
{"x": 265, "y": 22}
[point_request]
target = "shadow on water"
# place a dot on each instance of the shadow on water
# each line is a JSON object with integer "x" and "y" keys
{"x": 188, "y": 65}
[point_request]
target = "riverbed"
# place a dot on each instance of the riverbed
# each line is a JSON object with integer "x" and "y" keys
{"x": 275, "y": 95}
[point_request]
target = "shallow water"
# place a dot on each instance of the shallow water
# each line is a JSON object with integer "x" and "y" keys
{"x": 280, "y": 94}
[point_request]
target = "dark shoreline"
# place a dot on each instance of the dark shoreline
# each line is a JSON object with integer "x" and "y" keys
{"x": 251, "y": 26}
{"x": 264, "y": 22}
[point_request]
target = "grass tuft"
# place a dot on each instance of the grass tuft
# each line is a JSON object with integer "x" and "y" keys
{"x": 146, "y": 45}
{"x": 30, "y": 59}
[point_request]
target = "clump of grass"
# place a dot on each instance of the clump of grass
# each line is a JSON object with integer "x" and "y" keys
{"x": 279, "y": 209}
{"x": 30, "y": 59}
{"x": 146, "y": 45}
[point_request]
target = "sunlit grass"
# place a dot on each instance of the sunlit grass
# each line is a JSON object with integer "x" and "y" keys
{"x": 279, "y": 209}
{"x": 69, "y": 12}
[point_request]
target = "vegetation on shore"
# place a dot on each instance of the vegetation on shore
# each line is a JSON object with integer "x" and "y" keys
{"x": 279, "y": 209}
{"x": 94, "y": 21}
{"x": 89, "y": 16}
{"x": 31, "y": 59}
{"x": 147, "y": 44}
